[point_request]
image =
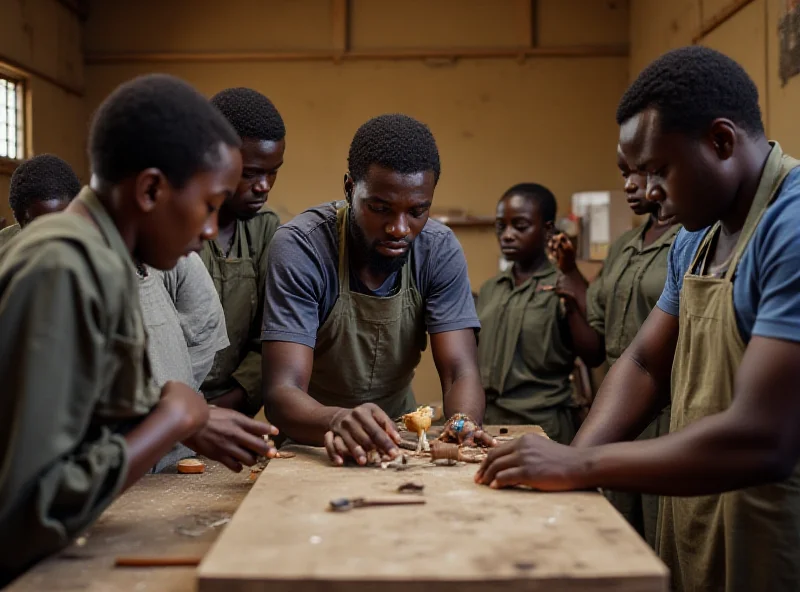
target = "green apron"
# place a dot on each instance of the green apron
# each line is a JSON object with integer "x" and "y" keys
{"x": 236, "y": 281}
{"x": 746, "y": 540}
{"x": 369, "y": 346}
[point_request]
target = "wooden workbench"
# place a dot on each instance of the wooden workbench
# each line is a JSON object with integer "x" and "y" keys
{"x": 555, "y": 542}
{"x": 466, "y": 537}
{"x": 162, "y": 515}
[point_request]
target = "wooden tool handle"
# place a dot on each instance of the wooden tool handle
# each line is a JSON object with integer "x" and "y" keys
{"x": 144, "y": 561}
{"x": 391, "y": 502}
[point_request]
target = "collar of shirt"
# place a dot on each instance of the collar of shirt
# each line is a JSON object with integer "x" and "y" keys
{"x": 637, "y": 239}
{"x": 105, "y": 224}
{"x": 508, "y": 275}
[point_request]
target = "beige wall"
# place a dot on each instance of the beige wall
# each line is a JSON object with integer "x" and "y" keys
{"x": 45, "y": 37}
{"x": 497, "y": 121}
{"x": 750, "y": 37}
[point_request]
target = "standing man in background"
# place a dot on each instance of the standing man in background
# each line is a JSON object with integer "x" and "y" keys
{"x": 41, "y": 185}
{"x": 237, "y": 259}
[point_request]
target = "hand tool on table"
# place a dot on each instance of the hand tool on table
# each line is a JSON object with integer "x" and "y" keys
{"x": 344, "y": 504}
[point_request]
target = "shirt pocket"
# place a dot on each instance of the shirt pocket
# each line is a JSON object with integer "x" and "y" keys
{"x": 541, "y": 341}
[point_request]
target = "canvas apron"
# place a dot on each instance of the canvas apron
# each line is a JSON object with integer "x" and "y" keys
{"x": 746, "y": 540}
{"x": 368, "y": 347}
{"x": 236, "y": 281}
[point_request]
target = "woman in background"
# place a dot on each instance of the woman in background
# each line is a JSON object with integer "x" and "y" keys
{"x": 525, "y": 351}
{"x": 606, "y": 316}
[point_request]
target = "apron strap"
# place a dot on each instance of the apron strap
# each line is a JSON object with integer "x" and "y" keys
{"x": 775, "y": 172}
{"x": 701, "y": 255}
{"x": 342, "y": 216}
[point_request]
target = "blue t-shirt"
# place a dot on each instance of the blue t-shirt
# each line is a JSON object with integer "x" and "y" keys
{"x": 302, "y": 282}
{"x": 766, "y": 287}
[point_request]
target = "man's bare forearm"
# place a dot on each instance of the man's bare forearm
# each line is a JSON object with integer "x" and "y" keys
{"x": 627, "y": 401}
{"x": 716, "y": 454}
{"x": 298, "y": 415}
{"x": 465, "y": 395}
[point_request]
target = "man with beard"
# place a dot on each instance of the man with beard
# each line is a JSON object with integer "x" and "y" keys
{"x": 237, "y": 259}
{"x": 722, "y": 344}
{"x": 352, "y": 289}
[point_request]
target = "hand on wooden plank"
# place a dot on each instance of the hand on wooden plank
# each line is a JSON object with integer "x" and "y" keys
{"x": 354, "y": 432}
{"x": 462, "y": 430}
{"x": 533, "y": 461}
{"x": 233, "y": 439}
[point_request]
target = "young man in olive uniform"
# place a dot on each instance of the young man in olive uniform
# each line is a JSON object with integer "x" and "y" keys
{"x": 237, "y": 259}
{"x": 352, "y": 289}
{"x": 723, "y": 341}
{"x": 80, "y": 417}
{"x": 608, "y": 315}
{"x": 42, "y": 185}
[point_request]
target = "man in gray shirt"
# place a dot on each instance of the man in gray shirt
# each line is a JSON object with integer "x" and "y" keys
{"x": 185, "y": 329}
{"x": 353, "y": 289}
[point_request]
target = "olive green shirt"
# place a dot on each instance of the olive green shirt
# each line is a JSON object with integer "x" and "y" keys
{"x": 74, "y": 372}
{"x": 525, "y": 348}
{"x": 7, "y": 233}
{"x": 619, "y": 300}
{"x": 241, "y": 292}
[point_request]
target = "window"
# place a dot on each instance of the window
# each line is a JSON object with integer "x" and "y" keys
{"x": 12, "y": 112}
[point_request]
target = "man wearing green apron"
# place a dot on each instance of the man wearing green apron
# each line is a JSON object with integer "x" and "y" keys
{"x": 723, "y": 341}
{"x": 353, "y": 289}
{"x": 237, "y": 259}
{"x": 42, "y": 185}
{"x": 80, "y": 417}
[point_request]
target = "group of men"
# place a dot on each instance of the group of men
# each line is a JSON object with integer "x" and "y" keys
{"x": 326, "y": 326}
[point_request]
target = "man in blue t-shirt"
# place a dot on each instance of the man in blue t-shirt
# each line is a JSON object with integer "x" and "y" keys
{"x": 723, "y": 341}
{"x": 353, "y": 289}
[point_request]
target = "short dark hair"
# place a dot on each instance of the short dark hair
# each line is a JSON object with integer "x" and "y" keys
{"x": 397, "y": 142}
{"x": 157, "y": 121}
{"x": 43, "y": 177}
{"x": 692, "y": 86}
{"x": 250, "y": 113}
{"x": 538, "y": 194}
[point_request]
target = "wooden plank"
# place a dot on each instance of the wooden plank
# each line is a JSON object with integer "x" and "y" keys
{"x": 165, "y": 515}
{"x": 339, "y": 25}
{"x": 466, "y": 537}
{"x": 579, "y": 51}
{"x": 720, "y": 18}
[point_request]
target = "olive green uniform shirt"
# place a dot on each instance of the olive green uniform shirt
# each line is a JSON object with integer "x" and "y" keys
{"x": 7, "y": 233}
{"x": 525, "y": 348}
{"x": 617, "y": 305}
{"x": 240, "y": 278}
{"x": 74, "y": 372}
{"x": 619, "y": 300}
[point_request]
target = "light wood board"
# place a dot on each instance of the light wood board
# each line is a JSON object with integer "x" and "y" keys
{"x": 283, "y": 538}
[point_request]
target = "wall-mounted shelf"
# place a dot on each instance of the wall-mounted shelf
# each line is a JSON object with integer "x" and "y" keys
{"x": 461, "y": 221}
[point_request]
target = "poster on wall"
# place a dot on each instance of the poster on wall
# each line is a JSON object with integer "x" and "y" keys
{"x": 789, "y": 40}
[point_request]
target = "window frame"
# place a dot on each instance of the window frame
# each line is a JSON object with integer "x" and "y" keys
{"x": 8, "y": 165}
